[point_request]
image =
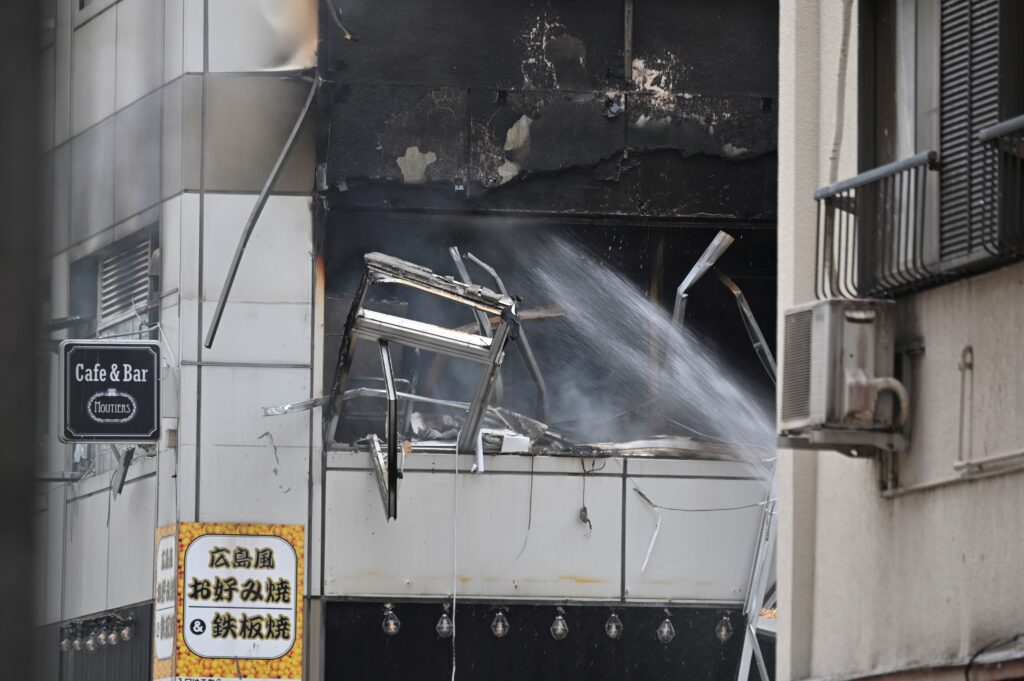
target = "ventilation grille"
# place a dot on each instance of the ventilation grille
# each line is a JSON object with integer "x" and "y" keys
{"x": 124, "y": 282}
{"x": 969, "y": 101}
{"x": 796, "y": 367}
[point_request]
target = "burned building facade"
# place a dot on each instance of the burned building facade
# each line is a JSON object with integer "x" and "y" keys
{"x": 587, "y": 156}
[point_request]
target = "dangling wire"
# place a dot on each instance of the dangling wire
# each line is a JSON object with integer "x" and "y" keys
{"x": 455, "y": 558}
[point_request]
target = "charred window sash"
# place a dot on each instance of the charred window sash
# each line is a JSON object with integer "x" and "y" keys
{"x": 383, "y": 328}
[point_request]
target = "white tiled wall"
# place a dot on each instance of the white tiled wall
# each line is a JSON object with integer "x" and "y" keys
{"x": 140, "y": 50}
{"x": 233, "y": 402}
{"x": 85, "y": 559}
{"x": 92, "y": 71}
{"x": 116, "y": 133}
{"x": 130, "y": 553}
{"x": 562, "y": 558}
{"x": 250, "y": 484}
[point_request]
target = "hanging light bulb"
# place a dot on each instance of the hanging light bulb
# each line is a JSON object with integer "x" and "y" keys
{"x": 113, "y": 635}
{"x": 666, "y": 632}
{"x": 499, "y": 625}
{"x": 76, "y": 641}
{"x": 65, "y": 641}
{"x": 613, "y": 627}
{"x": 101, "y": 636}
{"x": 90, "y": 642}
{"x": 391, "y": 623}
{"x": 723, "y": 631}
{"x": 559, "y": 628}
{"x": 127, "y": 629}
{"x": 444, "y": 627}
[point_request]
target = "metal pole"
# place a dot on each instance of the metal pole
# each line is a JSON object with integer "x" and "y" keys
{"x": 524, "y": 343}
{"x": 392, "y": 429}
{"x": 764, "y": 353}
{"x": 627, "y": 42}
{"x": 481, "y": 316}
{"x": 257, "y": 210}
{"x": 755, "y": 593}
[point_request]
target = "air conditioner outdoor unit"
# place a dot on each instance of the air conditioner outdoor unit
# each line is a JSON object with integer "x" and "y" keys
{"x": 838, "y": 388}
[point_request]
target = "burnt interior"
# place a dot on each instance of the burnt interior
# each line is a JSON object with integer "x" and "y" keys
{"x": 653, "y": 258}
{"x": 495, "y": 127}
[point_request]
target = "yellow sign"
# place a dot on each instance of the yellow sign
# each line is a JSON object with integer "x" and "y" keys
{"x": 237, "y": 602}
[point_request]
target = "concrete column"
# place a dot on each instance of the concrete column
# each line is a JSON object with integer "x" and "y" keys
{"x": 799, "y": 110}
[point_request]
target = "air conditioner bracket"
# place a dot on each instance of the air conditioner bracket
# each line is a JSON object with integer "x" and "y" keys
{"x": 857, "y": 443}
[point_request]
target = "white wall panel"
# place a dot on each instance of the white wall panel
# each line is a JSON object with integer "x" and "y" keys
{"x": 251, "y": 485}
{"x": 277, "y": 264}
{"x": 53, "y": 570}
{"x": 61, "y": 196}
{"x": 260, "y": 332}
{"x": 170, "y": 371}
{"x": 59, "y": 286}
{"x": 173, "y": 142}
{"x": 193, "y": 36}
{"x": 174, "y": 38}
{"x": 92, "y": 181}
{"x": 140, "y": 35}
{"x": 187, "y": 416}
{"x": 233, "y": 401}
{"x": 694, "y": 467}
{"x": 47, "y": 88}
{"x": 188, "y": 281}
{"x": 167, "y": 489}
{"x": 137, "y": 156}
{"x": 262, "y": 35}
{"x": 413, "y": 556}
{"x": 85, "y": 564}
{"x": 62, "y": 46}
{"x": 92, "y": 71}
{"x": 170, "y": 244}
{"x": 186, "y": 511}
{"x": 132, "y": 530}
{"x": 188, "y": 329}
{"x": 697, "y": 556}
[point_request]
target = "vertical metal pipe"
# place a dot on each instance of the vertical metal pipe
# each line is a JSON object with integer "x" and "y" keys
{"x": 392, "y": 428}
{"x": 524, "y": 344}
{"x": 627, "y": 42}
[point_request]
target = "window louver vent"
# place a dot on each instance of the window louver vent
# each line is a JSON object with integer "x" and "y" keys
{"x": 969, "y": 102}
{"x": 124, "y": 281}
{"x": 796, "y": 368}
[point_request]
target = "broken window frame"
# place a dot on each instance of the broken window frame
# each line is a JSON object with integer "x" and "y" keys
{"x": 368, "y": 325}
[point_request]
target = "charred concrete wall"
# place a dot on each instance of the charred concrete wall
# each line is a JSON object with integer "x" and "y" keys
{"x": 535, "y": 107}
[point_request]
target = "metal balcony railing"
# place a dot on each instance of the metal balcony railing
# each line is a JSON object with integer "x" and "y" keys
{"x": 1004, "y": 204}
{"x": 872, "y": 239}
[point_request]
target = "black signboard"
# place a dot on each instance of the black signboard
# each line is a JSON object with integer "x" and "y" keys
{"x": 111, "y": 391}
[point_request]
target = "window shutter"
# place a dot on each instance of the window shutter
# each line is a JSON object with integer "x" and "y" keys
{"x": 124, "y": 282}
{"x": 969, "y": 101}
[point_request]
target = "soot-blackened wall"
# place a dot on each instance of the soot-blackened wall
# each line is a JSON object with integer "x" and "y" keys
{"x": 527, "y": 107}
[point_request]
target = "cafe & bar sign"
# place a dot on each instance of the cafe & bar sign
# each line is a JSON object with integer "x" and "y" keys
{"x": 111, "y": 391}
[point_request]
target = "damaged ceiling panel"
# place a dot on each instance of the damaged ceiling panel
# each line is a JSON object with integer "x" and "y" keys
{"x": 499, "y": 107}
{"x": 515, "y": 134}
{"x": 479, "y": 45}
{"x": 719, "y": 48}
{"x": 407, "y": 135}
{"x": 734, "y": 128}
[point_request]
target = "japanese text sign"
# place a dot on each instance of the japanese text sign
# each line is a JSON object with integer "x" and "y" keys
{"x": 239, "y": 601}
